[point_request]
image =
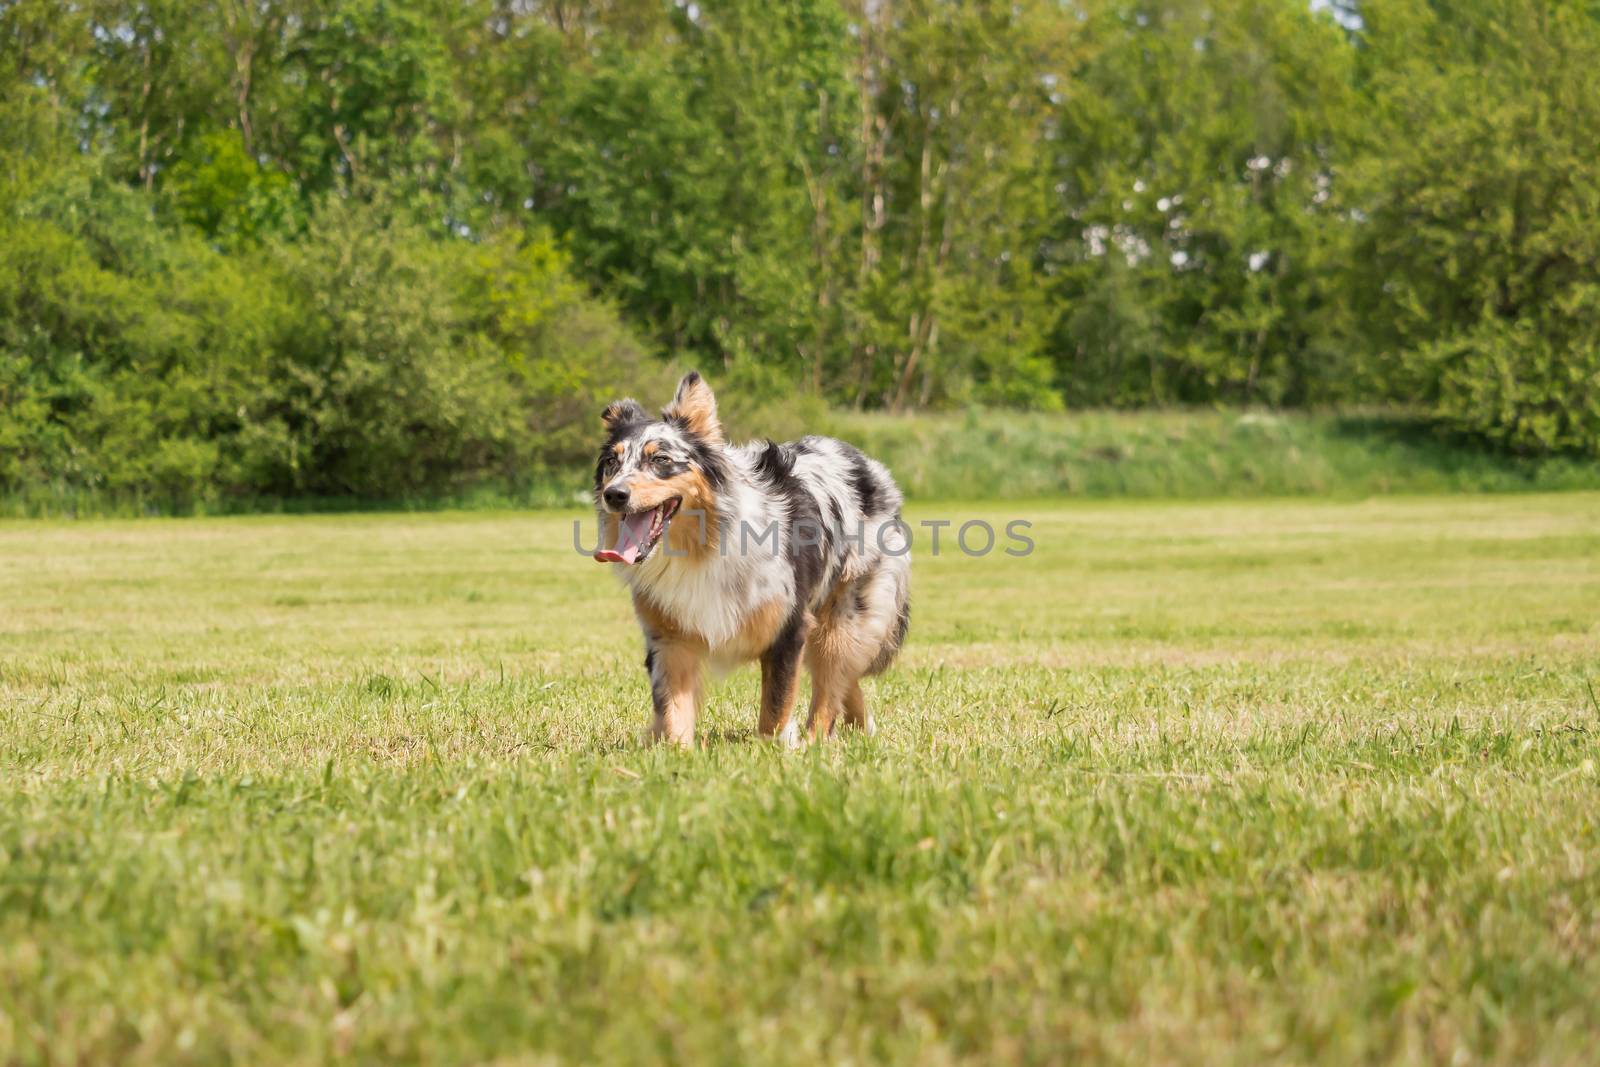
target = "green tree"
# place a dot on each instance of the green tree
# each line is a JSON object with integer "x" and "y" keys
{"x": 1201, "y": 143}
{"x": 956, "y": 109}
{"x": 1479, "y": 260}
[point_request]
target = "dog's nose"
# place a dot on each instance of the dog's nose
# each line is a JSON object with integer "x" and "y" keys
{"x": 616, "y": 497}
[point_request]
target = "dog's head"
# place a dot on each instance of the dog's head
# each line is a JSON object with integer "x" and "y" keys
{"x": 651, "y": 469}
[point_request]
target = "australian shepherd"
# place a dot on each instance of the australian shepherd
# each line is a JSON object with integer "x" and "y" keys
{"x": 766, "y": 552}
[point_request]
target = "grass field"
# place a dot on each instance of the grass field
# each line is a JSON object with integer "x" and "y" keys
{"x": 1195, "y": 783}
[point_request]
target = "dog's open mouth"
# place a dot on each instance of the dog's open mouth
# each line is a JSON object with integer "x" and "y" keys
{"x": 637, "y": 534}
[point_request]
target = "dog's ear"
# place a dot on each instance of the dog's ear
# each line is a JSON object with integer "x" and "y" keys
{"x": 695, "y": 409}
{"x": 620, "y": 411}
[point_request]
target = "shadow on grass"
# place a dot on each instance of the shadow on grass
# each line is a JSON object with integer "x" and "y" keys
{"x": 1419, "y": 442}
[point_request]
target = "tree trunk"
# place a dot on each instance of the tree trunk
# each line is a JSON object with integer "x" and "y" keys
{"x": 872, "y": 132}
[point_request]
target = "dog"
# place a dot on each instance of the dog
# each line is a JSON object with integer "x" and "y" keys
{"x": 775, "y": 553}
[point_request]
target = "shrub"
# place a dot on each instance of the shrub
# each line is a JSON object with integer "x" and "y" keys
{"x": 366, "y": 357}
{"x": 1480, "y": 188}
{"x": 1530, "y": 386}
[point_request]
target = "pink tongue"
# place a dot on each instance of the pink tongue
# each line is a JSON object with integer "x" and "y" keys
{"x": 632, "y": 532}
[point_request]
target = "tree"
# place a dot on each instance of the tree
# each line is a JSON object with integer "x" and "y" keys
{"x": 956, "y": 107}
{"x": 1479, "y": 258}
{"x": 1198, "y": 244}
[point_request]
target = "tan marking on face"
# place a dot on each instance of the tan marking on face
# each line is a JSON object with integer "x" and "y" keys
{"x": 651, "y": 448}
{"x": 647, "y": 491}
{"x": 692, "y": 532}
{"x": 619, "y": 448}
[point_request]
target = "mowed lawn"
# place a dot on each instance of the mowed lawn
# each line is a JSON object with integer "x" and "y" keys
{"x": 1203, "y": 783}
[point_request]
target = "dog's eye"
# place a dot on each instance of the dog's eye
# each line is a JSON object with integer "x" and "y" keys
{"x": 663, "y": 464}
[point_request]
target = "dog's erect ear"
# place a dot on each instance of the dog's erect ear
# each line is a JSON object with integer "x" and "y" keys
{"x": 695, "y": 409}
{"x": 620, "y": 411}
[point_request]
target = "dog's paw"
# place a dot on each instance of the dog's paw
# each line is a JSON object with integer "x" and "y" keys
{"x": 657, "y": 733}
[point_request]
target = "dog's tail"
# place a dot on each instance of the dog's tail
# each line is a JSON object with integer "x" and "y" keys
{"x": 896, "y": 636}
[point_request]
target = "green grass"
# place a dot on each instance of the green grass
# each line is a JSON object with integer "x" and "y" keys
{"x": 1194, "y": 455}
{"x": 1007, "y": 455}
{"x": 1252, "y": 782}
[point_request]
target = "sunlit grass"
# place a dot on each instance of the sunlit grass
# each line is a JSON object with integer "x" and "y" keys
{"x": 1204, "y": 783}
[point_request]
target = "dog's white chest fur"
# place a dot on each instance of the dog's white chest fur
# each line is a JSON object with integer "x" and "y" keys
{"x": 712, "y": 598}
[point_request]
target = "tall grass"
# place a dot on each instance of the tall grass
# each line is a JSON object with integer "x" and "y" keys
{"x": 1190, "y": 455}
{"x": 1001, "y": 455}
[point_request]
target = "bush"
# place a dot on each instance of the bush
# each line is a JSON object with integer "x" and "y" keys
{"x": 124, "y": 349}
{"x": 366, "y": 357}
{"x": 1481, "y": 186}
{"x": 371, "y": 385}
{"x": 1527, "y": 385}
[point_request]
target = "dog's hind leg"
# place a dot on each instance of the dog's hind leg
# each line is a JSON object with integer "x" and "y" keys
{"x": 780, "y": 678}
{"x": 824, "y": 709}
{"x": 856, "y": 714}
{"x": 857, "y": 632}
{"x": 837, "y": 658}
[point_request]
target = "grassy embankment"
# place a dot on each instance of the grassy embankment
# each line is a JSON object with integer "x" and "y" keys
{"x": 998, "y": 455}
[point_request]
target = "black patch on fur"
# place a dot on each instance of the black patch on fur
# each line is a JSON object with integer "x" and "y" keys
{"x": 658, "y": 693}
{"x": 866, "y": 486}
{"x": 781, "y": 660}
{"x": 625, "y": 411}
{"x": 618, "y": 433}
{"x": 838, "y": 539}
{"x": 774, "y": 467}
{"x": 709, "y": 459}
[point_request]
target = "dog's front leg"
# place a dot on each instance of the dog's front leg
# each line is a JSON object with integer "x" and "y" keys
{"x": 676, "y": 672}
{"x": 780, "y": 678}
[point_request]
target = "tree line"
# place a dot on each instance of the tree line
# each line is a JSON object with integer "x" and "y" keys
{"x": 366, "y": 247}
